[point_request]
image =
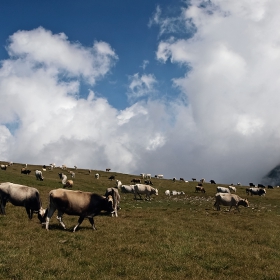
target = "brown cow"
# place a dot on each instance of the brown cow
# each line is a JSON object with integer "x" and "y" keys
{"x": 77, "y": 203}
{"x": 199, "y": 189}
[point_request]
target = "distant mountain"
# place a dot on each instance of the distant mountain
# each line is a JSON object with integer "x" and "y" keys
{"x": 272, "y": 177}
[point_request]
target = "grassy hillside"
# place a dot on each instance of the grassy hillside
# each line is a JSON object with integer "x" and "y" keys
{"x": 179, "y": 237}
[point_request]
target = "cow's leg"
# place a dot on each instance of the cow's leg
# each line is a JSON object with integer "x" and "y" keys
{"x": 59, "y": 218}
{"x": 49, "y": 212}
{"x": 3, "y": 205}
{"x": 28, "y": 211}
{"x": 79, "y": 222}
{"x": 92, "y": 223}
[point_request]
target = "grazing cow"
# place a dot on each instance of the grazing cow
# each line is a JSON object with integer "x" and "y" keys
{"x": 182, "y": 179}
{"x": 232, "y": 189}
{"x": 20, "y": 195}
{"x": 256, "y": 191}
{"x": 136, "y": 181}
{"x": 270, "y": 187}
{"x": 25, "y": 171}
{"x": 149, "y": 176}
{"x": 127, "y": 188}
{"x": 144, "y": 189}
{"x": 69, "y": 184}
{"x": 148, "y": 182}
{"x": 261, "y": 186}
{"x": 39, "y": 175}
{"x": 4, "y": 166}
{"x": 212, "y": 182}
{"x": 167, "y": 192}
{"x": 96, "y": 176}
{"x": 228, "y": 199}
{"x": 112, "y": 177}
{"x": 222, "y": 190}
{"x": 63, "y": 178}
{"x": 114, "y": 193}
{"x": 77, "y": 203}
{"x": 200, "y": 189}
{"x": 108, "y": 169}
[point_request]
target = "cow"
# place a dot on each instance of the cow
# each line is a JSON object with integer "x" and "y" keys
{"x": 127, "y": 188}
{"x": 112, "y": 177}
{"x": 63, "y": 178}
{"x": 72, "y": 173}
{"x": 232, "y": 188}
{"x": 212, "y": 182}
{"x": 182, "y": 179}
{"x": 149, "y": 176}
{"x": 142, "y": 175}
{"x": 200, "y": 189}
{"x": 116, "y": 199}
{"x": 167, "y": 192}
{"x": 159, "y": 176}
{"x": 39, "y": 175}
{"x": 228, "y": 199}
{"x": 96, "y": 176}
{"x": 4, "y": 166}
{"x": 193, "y": 179}
{"x": 222, "y": 190}
{"x": 69, "y": 184}
{"x": 108, "y": 169}
{"x": 256, "y": 191}
{"x": 136, "y": 181}
{"x": 144, "y": 189}
{"x": 251, "y": 184}
{"x": 202, "y": 180}
{"x": 63, "y": 166}
{"x": 118, "y": 184}
{"x": 270, "y": 187}
{"x": 261, "y": 186}
{"x": 20, "y": 195}
{"x": 25, "y": 171}
{"x": 148, "y": 182}
{"x": 77, "y": 203}
{"x": 174, "y": 179}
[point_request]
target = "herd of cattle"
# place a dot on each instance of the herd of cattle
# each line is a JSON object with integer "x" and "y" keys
{"x": 88, "y": 205}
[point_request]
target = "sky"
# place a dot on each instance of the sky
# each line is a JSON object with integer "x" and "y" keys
{"x": 180, "y": 88}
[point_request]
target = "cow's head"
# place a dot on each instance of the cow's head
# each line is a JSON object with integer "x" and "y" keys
{"x": 244, "y": 202}
{"x": 42, "y": 215}
{"x": 110, "y": 204}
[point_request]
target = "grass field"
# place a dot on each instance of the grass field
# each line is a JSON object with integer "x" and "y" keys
{"x": 178, "y": 237}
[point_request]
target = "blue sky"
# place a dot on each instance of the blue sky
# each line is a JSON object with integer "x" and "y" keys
{"x": 122, "y": 24}
{"x": 180, "y": 88}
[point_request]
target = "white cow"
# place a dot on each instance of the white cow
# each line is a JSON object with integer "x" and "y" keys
{"x": 232, "y": 188}
{"x": 167, "y": 192}
{"x": 222, "y": 190}
{"x": 116, "y": 199}
{"x": 228, "y": 199}
{"x": 39, "y": 175}
{"x": 149, "y": 176}
{"x": 96, "y": 176}
{"x": 127, "y": 188}
{"x": 63, "y": 178}
{"x": 144, "y": 189}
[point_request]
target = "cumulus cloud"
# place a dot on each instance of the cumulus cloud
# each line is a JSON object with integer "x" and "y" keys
{"x": 232, "y": 87}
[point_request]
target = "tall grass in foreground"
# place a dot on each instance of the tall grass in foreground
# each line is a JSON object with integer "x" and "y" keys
{"x": 179, "y": 237}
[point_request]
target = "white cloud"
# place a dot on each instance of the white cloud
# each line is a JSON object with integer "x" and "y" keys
{"x": 141, "y": 86}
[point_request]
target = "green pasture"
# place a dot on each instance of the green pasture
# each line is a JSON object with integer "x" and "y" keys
{"x": 178, "y": 237}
